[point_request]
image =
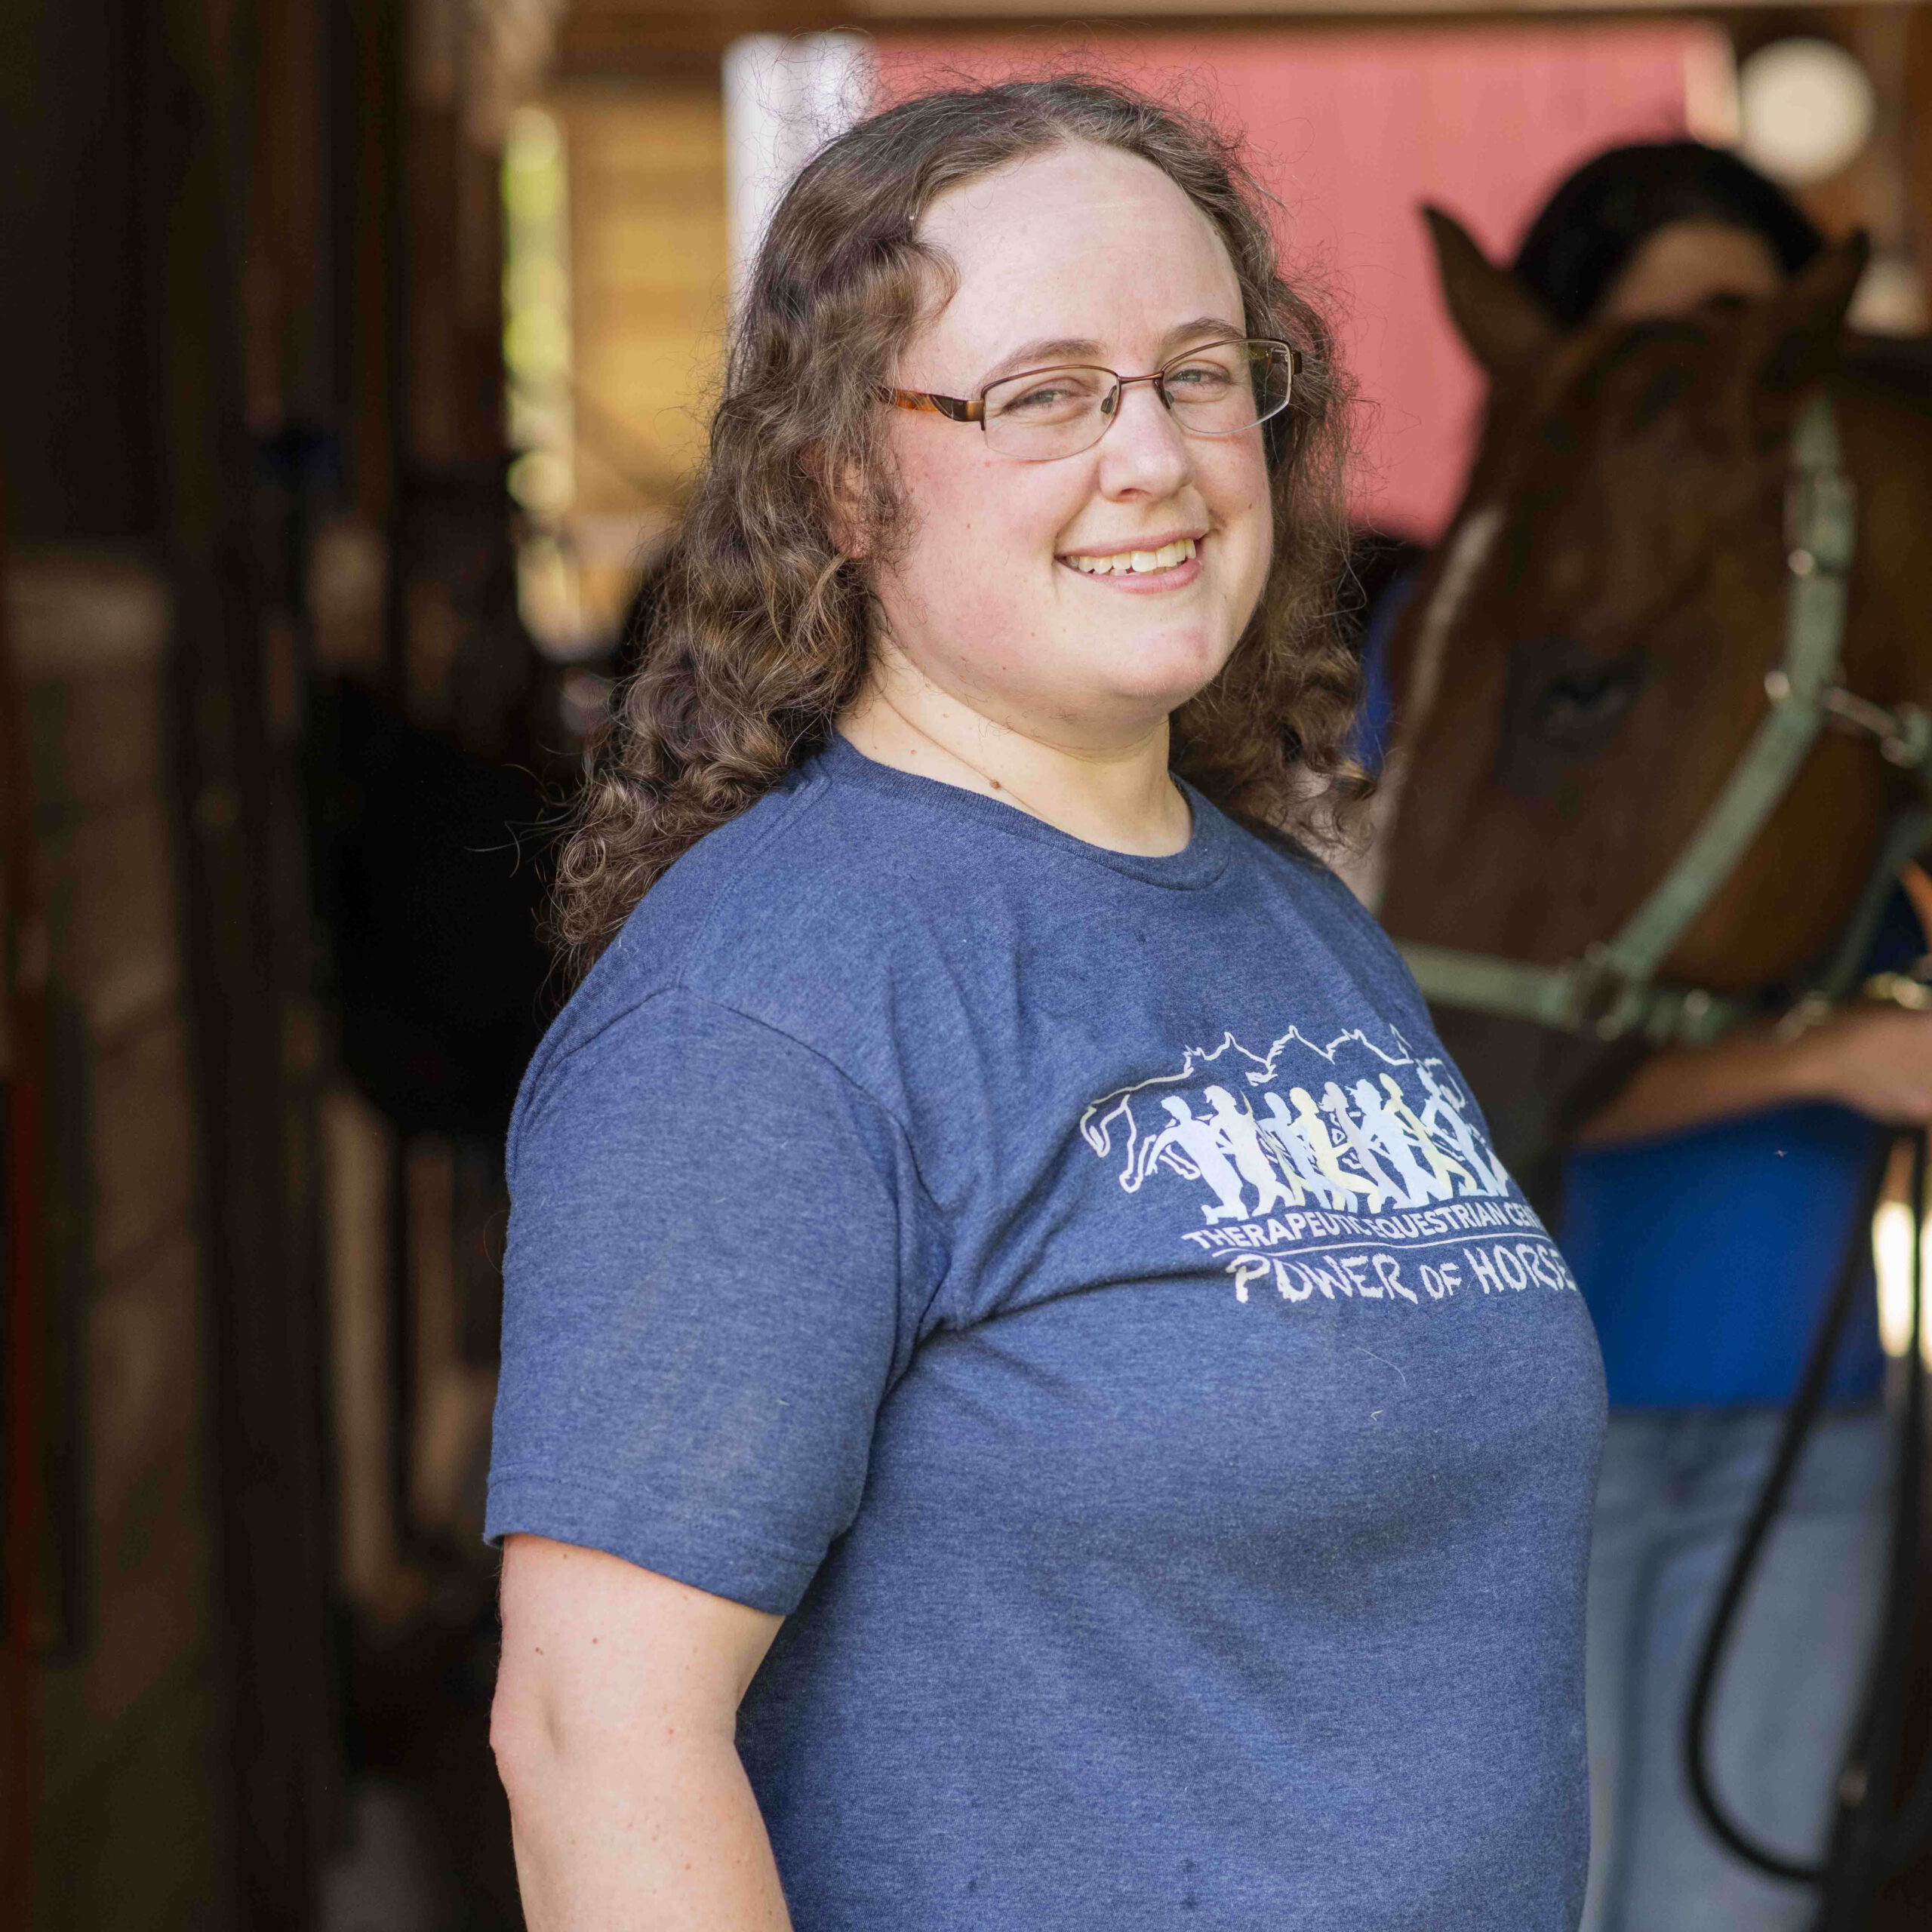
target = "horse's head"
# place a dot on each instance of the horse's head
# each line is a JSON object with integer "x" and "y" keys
{"x": 1583, "y": 662}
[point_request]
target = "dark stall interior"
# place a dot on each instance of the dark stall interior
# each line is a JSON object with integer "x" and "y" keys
{"x": 275, "y": 731}
{"x": 316, "y": 547}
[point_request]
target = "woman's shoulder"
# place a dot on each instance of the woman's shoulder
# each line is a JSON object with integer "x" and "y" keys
{"x": 1323, "y": 898}
{"x": 769, "y": 919}
{"x": 1310, "y": 869}
{"x": 800, "y": 886}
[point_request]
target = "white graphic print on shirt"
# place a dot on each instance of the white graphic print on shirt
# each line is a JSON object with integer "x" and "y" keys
{"x": 1314, "y": 1159}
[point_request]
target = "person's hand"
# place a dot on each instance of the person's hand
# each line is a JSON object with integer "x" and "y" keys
{"x": 1876, "y": 1060}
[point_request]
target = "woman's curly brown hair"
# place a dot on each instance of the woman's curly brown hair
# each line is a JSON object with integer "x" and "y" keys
{"x": 756, "y": 637}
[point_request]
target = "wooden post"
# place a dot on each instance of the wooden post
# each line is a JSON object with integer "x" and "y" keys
{"x": 266, "y": 1348}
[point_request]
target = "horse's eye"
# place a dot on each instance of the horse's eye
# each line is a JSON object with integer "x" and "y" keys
{"x": 1664, "y": 390}
{"x": 1579, "y": 710}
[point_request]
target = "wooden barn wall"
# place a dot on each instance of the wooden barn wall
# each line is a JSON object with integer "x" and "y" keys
{"x": 176, "y": 1761}
{"x": 135, "y": 1823}
{"x": 134, "y": 1828}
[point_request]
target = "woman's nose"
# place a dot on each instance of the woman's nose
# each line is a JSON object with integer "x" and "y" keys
{"x": 1143, "y": 448}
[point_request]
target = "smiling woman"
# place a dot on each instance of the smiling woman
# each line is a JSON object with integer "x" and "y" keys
{"x": 763, "y": 624}
{"x": 1028, "y": 1400}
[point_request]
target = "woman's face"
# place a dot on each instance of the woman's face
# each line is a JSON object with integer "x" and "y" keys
{"x": 1082, "y": 255}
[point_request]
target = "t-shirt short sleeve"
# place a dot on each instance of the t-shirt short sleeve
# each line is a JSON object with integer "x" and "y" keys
{"x": 704, "y": 1295}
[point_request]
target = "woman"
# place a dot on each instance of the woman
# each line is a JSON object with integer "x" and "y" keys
{"x": 1027, "y": 1401}
{"x": 1706, "y": 1212}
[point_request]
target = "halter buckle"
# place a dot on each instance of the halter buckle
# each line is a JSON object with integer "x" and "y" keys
{"x": 1902, "y": 733}
{"x": 1908, "y": 744}
{"x": 1608, "y": 1004}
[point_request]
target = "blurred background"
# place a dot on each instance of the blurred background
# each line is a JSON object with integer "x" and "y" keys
{"x": 359, "y": 350}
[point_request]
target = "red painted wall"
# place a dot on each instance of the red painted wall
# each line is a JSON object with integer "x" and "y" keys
{"x": 1353, "y": 129}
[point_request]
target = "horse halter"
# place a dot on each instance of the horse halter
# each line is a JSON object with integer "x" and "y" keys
{"x": 1613, "y": 990}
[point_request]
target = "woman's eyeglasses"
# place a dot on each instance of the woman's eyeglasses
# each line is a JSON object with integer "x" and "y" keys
{"x": 1220, "y": 389}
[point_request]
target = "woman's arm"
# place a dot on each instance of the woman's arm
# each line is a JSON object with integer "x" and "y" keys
{"x": 1875, "y": 1060}
{"x": 616, "y": 1707}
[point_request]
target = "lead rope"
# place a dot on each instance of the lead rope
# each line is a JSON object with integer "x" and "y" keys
{"x": 1870, "y": 1839}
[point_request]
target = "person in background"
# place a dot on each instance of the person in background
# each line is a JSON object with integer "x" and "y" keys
{"x": 1707, "y": 1207}
{"x": 964, "y": 1459}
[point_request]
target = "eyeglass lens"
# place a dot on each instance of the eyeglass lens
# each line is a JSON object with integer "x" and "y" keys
{"x": 1219, "y": 390}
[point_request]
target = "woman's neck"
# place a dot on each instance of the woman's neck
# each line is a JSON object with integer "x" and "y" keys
{"x": 1118, "y": 796}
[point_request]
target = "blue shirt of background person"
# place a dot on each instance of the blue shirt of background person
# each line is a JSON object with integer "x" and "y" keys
{"x": 1706, "y": 1256}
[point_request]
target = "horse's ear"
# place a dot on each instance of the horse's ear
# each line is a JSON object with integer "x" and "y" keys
{"x": 1504, "y": 325}
{"x": 1792, "y": 338}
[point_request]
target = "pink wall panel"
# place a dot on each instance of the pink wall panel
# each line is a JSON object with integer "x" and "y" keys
{"x": 1352, "y": 129}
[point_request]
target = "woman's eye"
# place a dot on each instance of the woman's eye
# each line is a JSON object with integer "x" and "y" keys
{"x": 1047, "y": 399}
{"x": 1201, "y": 378}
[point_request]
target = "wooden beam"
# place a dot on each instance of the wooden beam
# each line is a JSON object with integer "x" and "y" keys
{"x": 670, "y": 39}
{"x": 1140, "y": 14}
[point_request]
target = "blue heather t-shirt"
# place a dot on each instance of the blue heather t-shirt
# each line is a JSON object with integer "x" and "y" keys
{"x": 1074, "y": 1289}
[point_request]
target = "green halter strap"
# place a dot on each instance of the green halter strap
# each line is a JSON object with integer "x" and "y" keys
{"x": 1613, "y": 990}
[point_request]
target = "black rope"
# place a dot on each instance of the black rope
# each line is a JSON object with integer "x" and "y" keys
{"x": 1804, "y": 1412}
{"x": 1870, "y": 1840}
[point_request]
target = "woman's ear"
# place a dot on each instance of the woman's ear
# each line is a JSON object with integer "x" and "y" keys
{"x": 844, "y": 499}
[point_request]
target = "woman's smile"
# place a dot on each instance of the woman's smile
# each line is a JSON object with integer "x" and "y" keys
{"x": 1156, "y": 564}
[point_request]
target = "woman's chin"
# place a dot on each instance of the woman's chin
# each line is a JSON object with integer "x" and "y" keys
{"x": 1115, "y": 682}
{"x": 1165, "y": 670}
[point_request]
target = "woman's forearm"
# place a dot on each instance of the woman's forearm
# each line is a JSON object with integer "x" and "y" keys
{"x": 665, "y": 1835}
{"x": 614, "y": 1729}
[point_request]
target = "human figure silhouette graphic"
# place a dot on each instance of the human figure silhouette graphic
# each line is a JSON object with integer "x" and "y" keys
{"x": 1390, "y": 1135}
{"x": 1242, "y": 1139}
{"x": 1485, "y": 1172}
{"x": 1440, "y": 1164}
{"x": 1197, "y": 1144}
{"x": 1283, "y": 1134}
{"x": 1335, "y": 1105}
{"x": 1343, "y": 1186}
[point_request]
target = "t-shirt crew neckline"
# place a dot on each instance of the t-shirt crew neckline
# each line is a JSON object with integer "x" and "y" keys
{"x": 1197, "y": 864}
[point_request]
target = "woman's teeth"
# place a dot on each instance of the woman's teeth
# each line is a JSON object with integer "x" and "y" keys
{"x": 1164, "y": 558}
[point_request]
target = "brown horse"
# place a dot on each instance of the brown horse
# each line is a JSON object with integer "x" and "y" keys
{"x": 1584, "y": 660}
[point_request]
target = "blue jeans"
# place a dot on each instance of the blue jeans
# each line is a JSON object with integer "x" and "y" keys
{"x": 1675, "y": 1488}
